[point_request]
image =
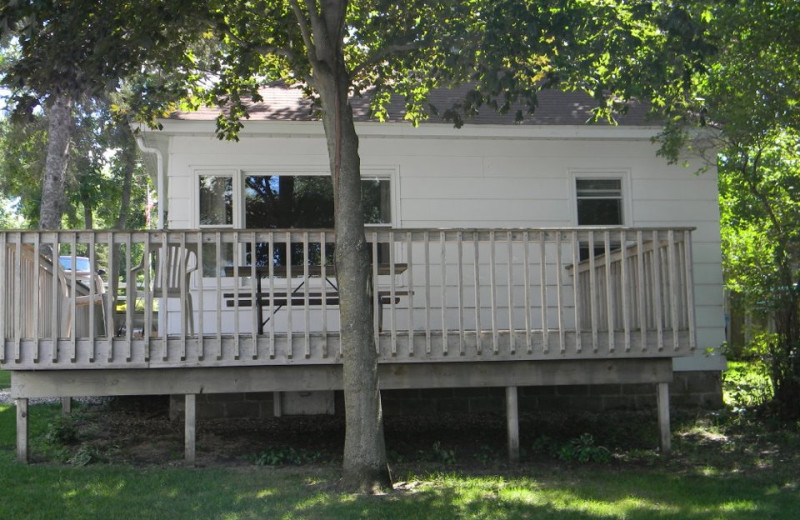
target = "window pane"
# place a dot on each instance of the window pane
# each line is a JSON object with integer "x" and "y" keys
{"x": 599, "y": 202}
{"x": 376, "y": 201}
{"x": 599, "y": 212}
{"x": 210, "y": 267}
{"x": 599, "y": 188}
{"x": 216, "y": 200}
{"x": 288, "y": 201}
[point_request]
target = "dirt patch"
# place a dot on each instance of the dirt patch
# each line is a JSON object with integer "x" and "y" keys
{"x": 140, "y": 432}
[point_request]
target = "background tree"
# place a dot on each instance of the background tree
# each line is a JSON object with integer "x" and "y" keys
{"x": 69, "y": 52}
{"x": 750, "y": 94}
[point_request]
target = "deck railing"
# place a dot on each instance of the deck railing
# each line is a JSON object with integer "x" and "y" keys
{"x": 238, "y": 297}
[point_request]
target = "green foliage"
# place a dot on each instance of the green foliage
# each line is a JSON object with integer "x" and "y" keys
{"x": 746, "y": 386}
{"x": 86, "y": 454}
{"x": 759, "y": 194}
{"x": 287, "y": 455}
{"x": 63, "y": 430}
{"x": 442, "y": 454}
{"x": 583, "y": 450}
{"x": 5, "y": 379}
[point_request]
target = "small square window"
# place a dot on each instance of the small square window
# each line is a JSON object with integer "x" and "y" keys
{"x": 599, "y": 202}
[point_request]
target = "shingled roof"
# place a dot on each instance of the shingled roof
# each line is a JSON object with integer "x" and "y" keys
{"x": 281, "y": 103}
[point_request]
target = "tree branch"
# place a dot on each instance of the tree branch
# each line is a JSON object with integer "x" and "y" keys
{"x": 388, "y": 51}
{"x": 263, "y": 49}
{"x": 304, "y": 30}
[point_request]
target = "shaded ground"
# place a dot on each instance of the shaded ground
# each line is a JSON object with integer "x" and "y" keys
{"x": 141, "y": 433}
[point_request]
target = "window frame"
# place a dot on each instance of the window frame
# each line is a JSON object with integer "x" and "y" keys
{"x": 235, "y": 186}
{"x": 621, "y": 175}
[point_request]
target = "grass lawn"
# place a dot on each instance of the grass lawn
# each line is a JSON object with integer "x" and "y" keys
{"x": 5, "y": 379}
{"x": 724, "y": 466}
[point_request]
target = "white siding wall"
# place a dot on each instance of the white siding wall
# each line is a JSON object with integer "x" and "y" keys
{"x": 469, "y": 179}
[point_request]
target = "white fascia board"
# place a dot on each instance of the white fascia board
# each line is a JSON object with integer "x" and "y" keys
{"x": 429, "y": 130}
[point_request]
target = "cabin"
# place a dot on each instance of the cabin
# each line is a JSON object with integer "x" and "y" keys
{"x": 511, "y": 256}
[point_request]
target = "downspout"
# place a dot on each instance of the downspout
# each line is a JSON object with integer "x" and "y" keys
{"x": 160, "y": 180}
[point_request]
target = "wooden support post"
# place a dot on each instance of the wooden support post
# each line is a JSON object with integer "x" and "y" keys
{"x": 277, "y": 408}
{"x": 662, "y": 395}
{"x": 190, "y": 425}
{"x": 22, "y": 430}
{"x": 512, "y": 423}
{"x": 66, "y": 405}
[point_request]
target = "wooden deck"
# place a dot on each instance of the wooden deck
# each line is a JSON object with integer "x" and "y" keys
{"x": 453, "y": 308}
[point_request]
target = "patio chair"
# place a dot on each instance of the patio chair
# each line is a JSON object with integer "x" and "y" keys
{"x": 83, "y": 297}
{"x": 174, "y": 266}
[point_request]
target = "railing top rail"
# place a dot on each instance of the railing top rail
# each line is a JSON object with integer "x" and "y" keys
{"x": 208, "y": 235}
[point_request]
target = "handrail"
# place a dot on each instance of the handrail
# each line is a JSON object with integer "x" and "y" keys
{"x": 573, "y": 291}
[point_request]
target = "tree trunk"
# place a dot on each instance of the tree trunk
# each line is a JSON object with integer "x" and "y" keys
{"x": 365, "y": 468}
{"x": 59, "y": 132}
{"x": 128, "y": 161}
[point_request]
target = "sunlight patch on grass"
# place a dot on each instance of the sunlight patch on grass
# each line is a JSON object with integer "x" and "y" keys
{"x": 265, "y": 493}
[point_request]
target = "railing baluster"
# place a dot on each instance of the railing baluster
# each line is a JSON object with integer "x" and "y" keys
{"x": 690, "y": 311}
{"x": 493, "y": 289}
{"x": 218, "y": 276}
{"x": 306, "y": 309}
{"x": 149, "y": 297}
{"x": 575, "y": 244}
{"x": 271, "y": 269}
{"x": 543, "y": 293}
{"x": 201, "y": 296}
{"x": 92, "y": 294}
{"x": 673, "y": 287}
{"x": 509, "y": 286}
{"x": 460, "y": 290}
{"x": 130, "y": 289}
{"x": 526, "y": 278}
{"x": 18, "y": 299}
{"x": 410, "y": 307}
{"x": 35, "y": 307}
{"x": 477, "y": 276}
{"x": 289, "y": 291}
{"x": 237, "y": 284}
{"x": 626, "y": 311}
{"x": 376, "y": 314}
{"x": 610, "y": 291}
{"x": 392, "y": 293}
{"x": 443, "y": 266}
{"x": 255, "y": 297}
{"x": 163, "y": 308}
{"x": 559, "y": 286}
{"x": 111, "y": 299}
{"x": 184, "y": 291}
{"x": 427, "y": 253}
{"x": 324, "y": 276}
{"x": 593, "y": 296}
{"x": 642, "y": 284}
{"x": 73, "y": 306}
{"x": 4, "y": 307}
{"x": 657, "y": 279}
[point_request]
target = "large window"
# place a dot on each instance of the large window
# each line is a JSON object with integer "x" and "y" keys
{"x": 305, "y": 201}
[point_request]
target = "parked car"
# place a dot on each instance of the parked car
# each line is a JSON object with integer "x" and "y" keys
{"x": 83, "y": 272}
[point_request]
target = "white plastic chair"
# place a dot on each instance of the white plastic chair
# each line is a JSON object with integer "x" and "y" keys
{"x": 174, "y": 266}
